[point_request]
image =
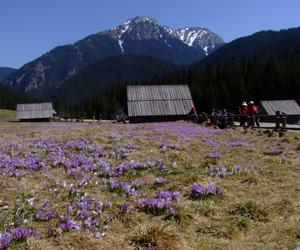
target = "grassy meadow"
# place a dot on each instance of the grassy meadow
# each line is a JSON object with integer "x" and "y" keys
{"x": 147, "y": 186}
{"x": 7, "y": 115}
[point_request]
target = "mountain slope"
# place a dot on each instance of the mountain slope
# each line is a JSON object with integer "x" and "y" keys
{"x": 9, "y": 98}
{"x": 264, "y": 66}
{"x": 61, "y": 63}
{"x": 140, "y": 35}
{"x": 5, "y": 71}
{"x": 107, "y": 72}
{"x": 264, "y": 43}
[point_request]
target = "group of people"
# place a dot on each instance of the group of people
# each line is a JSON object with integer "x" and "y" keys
{"x": 249, "y": 115}
{"x": 221, "y": 118}
{"x": 218, "y": 118}
{"x": 197, "y": 117}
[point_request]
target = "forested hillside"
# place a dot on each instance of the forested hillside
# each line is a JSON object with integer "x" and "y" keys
{"x": 267, "y": 68}
{"x": 101, "y": 87}
{"x": 9, "y": 98}
{"x": 263, "y": 66}
{"x": 263, "y": 43}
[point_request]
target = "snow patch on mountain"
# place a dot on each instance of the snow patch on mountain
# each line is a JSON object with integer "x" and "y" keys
{"x": 71, "y": 73}
{"x": 200, "y": 38}
{"x": 169, "y": 30}
{"x": 120, "y": 42}
{"x": 189, "y": 36}
{"x": 206, "y": 50}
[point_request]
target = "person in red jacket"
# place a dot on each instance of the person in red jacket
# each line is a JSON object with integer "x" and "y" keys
{"x": 243, "y": 114}
{"x": 193, "y": 114}
{"x": 253, "y": 113}
{"x": 193, "y": 110}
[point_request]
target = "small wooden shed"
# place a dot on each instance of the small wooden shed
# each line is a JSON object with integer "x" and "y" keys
{"x": 149, "y": 103}
{"x": 35, "y": 112}
{"x": 289, "y": 107}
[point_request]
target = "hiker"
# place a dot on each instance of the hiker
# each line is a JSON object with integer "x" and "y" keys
{"x": 230, "y": 119}
{"x": 193, "y": 114}
{"x": 243, "y": 114}
{"x": 225, "y": 115}
{"x": 213, "y": 117}
{"x": 223, "y": 118}
{"x": 253, "y": 113}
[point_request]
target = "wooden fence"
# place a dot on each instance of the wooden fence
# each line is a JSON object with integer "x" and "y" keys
{"x": 279, "y": 120}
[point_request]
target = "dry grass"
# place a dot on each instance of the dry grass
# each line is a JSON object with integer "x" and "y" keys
{"x": 259, "y": 209}
{"x": 7, "y": 115}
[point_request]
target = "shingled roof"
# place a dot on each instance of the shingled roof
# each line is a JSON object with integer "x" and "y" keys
{"x": 158, "y": 100}
{"x": 35, "y": 111}
{"x": 290, "y": 107}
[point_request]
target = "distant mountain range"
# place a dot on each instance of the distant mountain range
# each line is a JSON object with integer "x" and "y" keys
{"x": 139, "y": 35}
{"x": 89, "y": 72}
{"x": 4, "y": 72}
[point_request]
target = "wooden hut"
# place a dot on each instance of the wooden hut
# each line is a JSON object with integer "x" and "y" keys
{"x": 289, "y": 107}
{"x": 149, "y": 103}
{"x": 35, "y": 112}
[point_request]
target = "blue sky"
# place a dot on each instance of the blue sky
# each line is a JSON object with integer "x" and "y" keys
{"x": 29, "y": 28}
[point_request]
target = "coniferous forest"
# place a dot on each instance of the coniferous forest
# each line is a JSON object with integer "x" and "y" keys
{"x": 220, "y": 85}
{"x": 10, "y": 98}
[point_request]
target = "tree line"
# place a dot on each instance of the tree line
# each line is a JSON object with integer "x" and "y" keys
{"x": 219, "y": 85}
{"x": 9, "y": 98}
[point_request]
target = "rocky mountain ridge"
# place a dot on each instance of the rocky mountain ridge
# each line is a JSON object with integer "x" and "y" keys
{"x": 139, "y": 36}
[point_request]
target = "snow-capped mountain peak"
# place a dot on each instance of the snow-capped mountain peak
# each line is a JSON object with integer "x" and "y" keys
{"x": 145, "y": 28}
{"x": 137, "y": 28}
{"x": 200, "y": 37}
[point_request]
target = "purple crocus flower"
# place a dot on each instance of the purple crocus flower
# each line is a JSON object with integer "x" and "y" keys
{"x": 222, "y": 171}
{"x": 273, "y": 151}
{"x": 173, "y": 211}
{"x": 165, "y": 147}
{"x": 214, "y": 154}
{"x": 211, "y": 189}
{"x": 297, "y": 247}
{"x": 199, "y": 191}
{"x": 168, "y": 195}
{"x": 66, "y": 224}
{"x": 125, "y": 207}
{"x": 5, "y": 239}
{"x": 22, "y": 233}
{"x": 159, "y": 181}
{"x": 235, "y": 169}
{"x": 45, "y": 215}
